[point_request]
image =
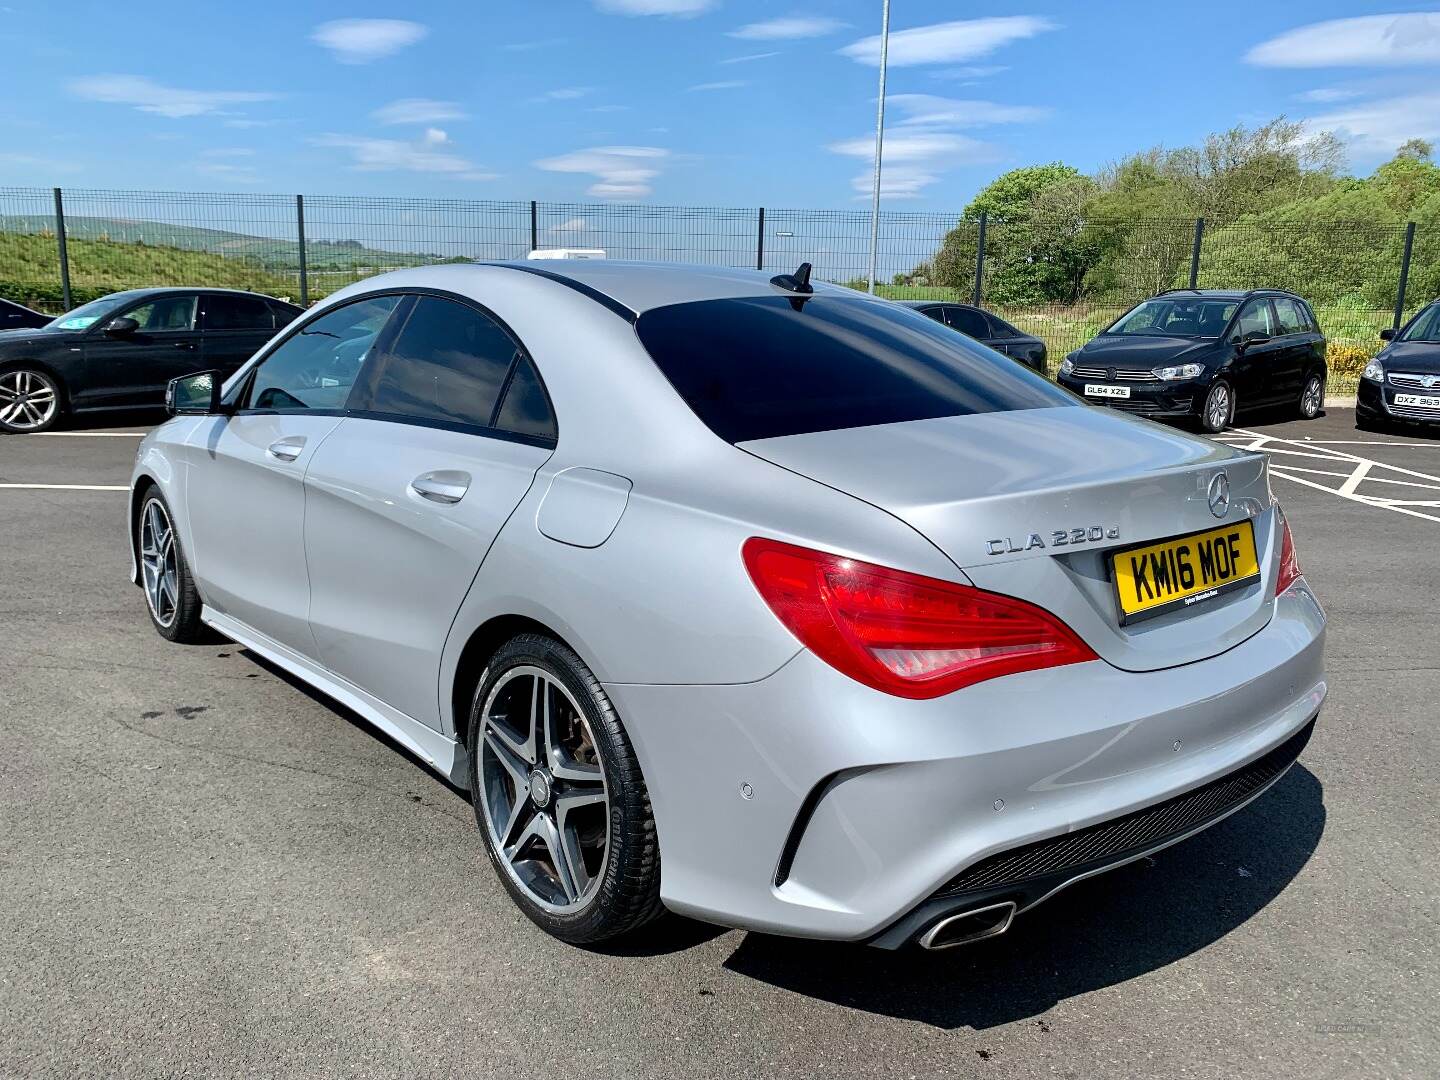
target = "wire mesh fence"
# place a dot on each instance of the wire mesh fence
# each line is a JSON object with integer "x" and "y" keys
{"x": 1060, "y": 277}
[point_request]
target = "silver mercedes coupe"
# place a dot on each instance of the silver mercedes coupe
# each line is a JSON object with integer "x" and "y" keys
{"x": 767, "y": 602}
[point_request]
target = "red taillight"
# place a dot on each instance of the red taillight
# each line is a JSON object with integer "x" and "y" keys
{"x": 1289, "y": 565}
{"x": 908, "y": 635}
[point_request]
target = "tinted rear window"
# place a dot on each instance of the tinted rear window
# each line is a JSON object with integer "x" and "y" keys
{"x": 757, "y": 367}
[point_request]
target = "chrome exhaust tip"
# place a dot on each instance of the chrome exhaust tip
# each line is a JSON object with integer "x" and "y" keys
{"x": 969, "y": 926}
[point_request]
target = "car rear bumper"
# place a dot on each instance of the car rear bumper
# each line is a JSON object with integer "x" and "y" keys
{"x": 810, "y": 805}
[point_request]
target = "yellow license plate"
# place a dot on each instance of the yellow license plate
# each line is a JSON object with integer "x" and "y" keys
{"x": 1187, "y": 570}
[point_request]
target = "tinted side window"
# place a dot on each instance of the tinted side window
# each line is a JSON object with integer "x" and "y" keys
{"x": 761, "y": 366}
{"x": 968, "y": 321}
{"x": 236, "y": 313}
{"x": 1000, "y": 328}
{"x": 317, "y": 367}
{"x": 448, "y": 362}
{"x": 166, "y": 313}
{"x": 526, "y": 409}
{"x": 283, "y": 314}
{"x": 1292, "y": 319}
{"x": 1255, "y": 318}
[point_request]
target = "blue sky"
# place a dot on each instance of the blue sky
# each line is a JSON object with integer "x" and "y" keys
{"x": 712, "y": 102}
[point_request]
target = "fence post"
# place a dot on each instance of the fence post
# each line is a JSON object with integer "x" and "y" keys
{"x": 1195, "y": 252}
{"x": 300, "y": 234}
{"x": 534, "y": 226}
{"x": 760, "y": 241}
{"x": 1404, "y": 273}
{"x": 979, "y": 262}
{"x": 62, "y": 250}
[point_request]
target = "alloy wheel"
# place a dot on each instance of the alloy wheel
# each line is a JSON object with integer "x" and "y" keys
{"x": 158, "y": 566}
{"x": 1217, "y": 407}
{"x": 1313, "y": 399}
{"x": 28, "y": 400}
{"x": 543, "y": 792}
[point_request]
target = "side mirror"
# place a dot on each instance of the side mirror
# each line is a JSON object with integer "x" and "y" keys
{"x": 1387, "y": 334}
{"x": 1254, "y": 337}
{"x": 194, "y": 395}
{"x": 124, "y": 326}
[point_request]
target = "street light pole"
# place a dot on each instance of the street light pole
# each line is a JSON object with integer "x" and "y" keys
{"x": 879, "y": 142}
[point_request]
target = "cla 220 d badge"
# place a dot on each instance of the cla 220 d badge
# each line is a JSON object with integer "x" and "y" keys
{"x": 1058, "y": 538}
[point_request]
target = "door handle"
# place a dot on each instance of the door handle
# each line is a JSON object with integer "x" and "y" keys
{"x": 446, "y": 486}
{"x": 188, "y": 346}
{"x": 288, "y": 448}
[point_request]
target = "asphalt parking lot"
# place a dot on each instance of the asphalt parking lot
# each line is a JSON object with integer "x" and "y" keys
{"x": 209, "y": 870}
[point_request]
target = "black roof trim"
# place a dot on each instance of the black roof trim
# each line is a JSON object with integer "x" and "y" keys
{"x": 600, "y": 298}
{"x": 1238, "y": 294}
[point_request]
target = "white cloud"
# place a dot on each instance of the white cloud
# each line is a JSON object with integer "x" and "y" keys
{"x": 150, "y": 96}
{"x": 1368, "y": 41}
{"x": 531, "y": 46}
{"x": 221, "y": 163}
{"x": 565, "y": 93}
{"x": 394, "y": 155}
{"x": 950, "y": 42}
{"x": 1328, "y": 95}
{"x": 417, "y": 111}
{"x": 748, "y": 57}
{"x": 575, "y": 224}
{"x": 608, "y": 108}
{"x": 683, "y": 8}
{"x": 927, "y": 110}
{"x": 789, "y": 28}
{"x": 434, "y": 137}
{"x": 1377, "y": 128}
{"x": 728, "y": 84}
{"x": 914, "y": 160}
{"x": 620, "y": 171}
{"x": 359, "y": 41}
{"x": 970, "y": 72}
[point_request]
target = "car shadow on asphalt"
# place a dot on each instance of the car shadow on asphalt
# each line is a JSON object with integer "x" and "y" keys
{"x": 1098, "y": 933}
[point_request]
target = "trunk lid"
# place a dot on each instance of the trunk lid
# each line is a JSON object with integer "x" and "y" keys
{"x": 993, "y": 490}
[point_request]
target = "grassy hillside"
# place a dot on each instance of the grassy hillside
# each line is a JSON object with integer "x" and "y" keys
{"x": 29, "y": 269}
{"x": 270, "y": 253}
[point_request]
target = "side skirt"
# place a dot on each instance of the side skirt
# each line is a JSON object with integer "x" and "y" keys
{"x": 443, "y": 755}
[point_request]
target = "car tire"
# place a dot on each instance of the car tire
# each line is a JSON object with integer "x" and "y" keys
{"x": 31, "y": 400}
{"x": 1218, "y": 409}
{"x": 171, "y": 598}
{"x": 578, "y": 749}
{"x": 1312, "y": 397}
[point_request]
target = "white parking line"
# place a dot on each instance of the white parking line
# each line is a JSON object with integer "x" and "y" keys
{"x": 90, "y": 434}
{"x": 67, "y": 487}
{"x": 1362, "y": 471}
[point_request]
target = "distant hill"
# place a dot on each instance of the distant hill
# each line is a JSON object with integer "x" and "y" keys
{"x": 265, "y": 252}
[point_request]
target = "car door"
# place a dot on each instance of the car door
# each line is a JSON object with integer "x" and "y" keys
{"x": 447, "y": 429}
{"x": 246, "y": 496}
{"x": 1293, "y": 358}
{"x": 233, "y": 328}
{"x": 1257, "y": 347}
{"x": 131, "y": 370}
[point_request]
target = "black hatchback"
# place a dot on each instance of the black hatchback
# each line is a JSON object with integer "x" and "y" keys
{"x": 1204, "y": 355}
{"x": 1403, "y": 381}
{"x": 120, "y": 351}
{"x": 987, "y": 328}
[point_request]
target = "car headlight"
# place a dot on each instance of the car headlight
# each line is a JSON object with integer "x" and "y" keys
{"x": 1374, "y": 370}
{"x": 1180, "y": 371}
{"x": 1067, "y": 366}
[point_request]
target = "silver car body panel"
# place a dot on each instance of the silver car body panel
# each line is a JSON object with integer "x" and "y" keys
{"x": 624, "y": 541}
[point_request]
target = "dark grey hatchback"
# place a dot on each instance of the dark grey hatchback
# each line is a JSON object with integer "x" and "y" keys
{"x": 987, "y": 328}
{"x": 1205, "y": 354}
